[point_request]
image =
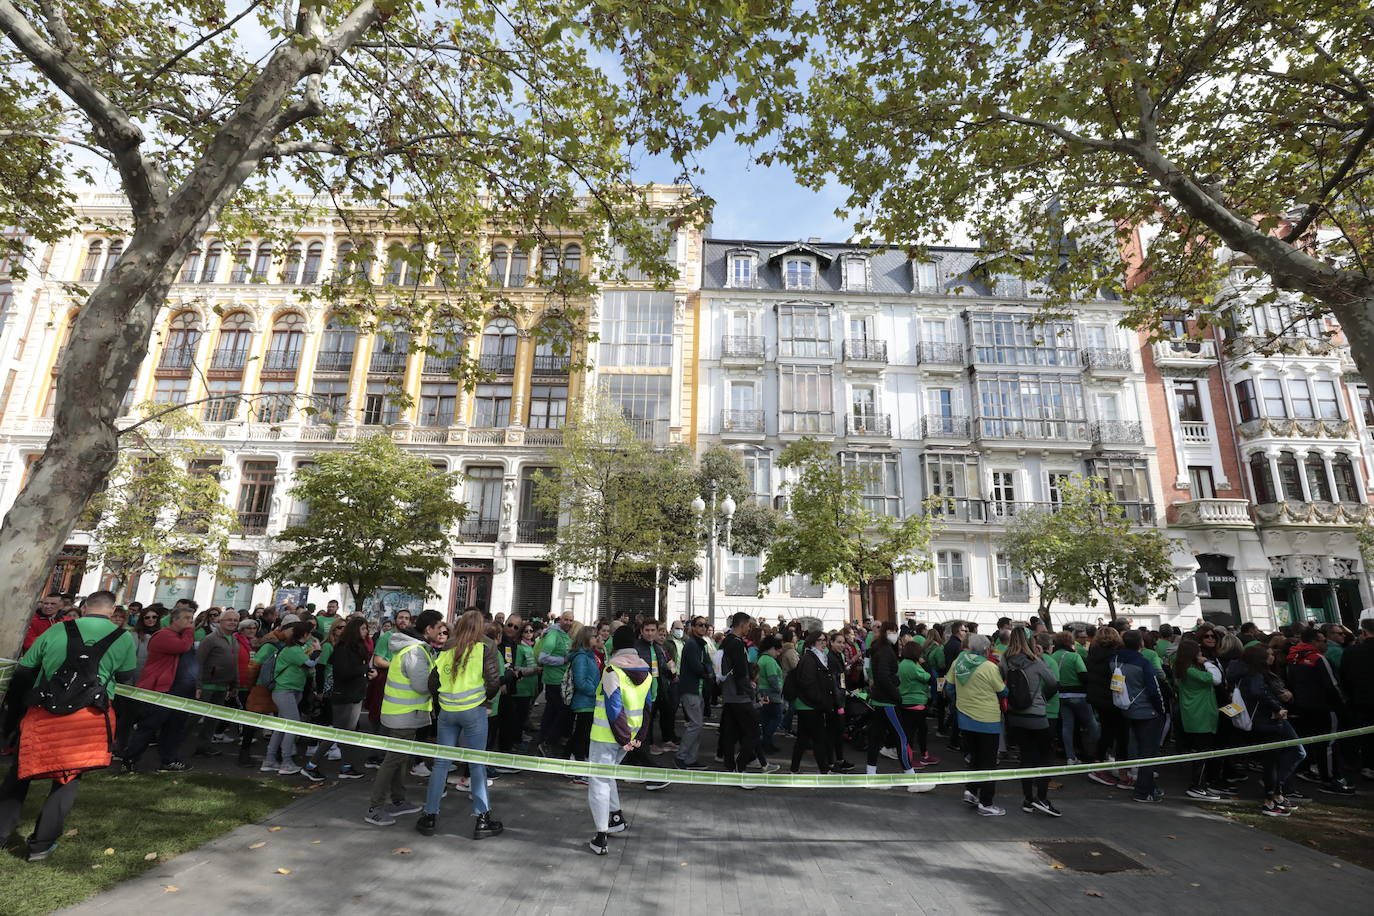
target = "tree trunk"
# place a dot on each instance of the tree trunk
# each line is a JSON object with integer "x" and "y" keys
{"x": 1043, "y": 612}
{"x": 662, "y": 587}
{"x": 863, "y": 600}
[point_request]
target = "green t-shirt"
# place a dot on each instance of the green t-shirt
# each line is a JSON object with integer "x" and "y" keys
{"x": 291, "y": 668}
{"x": 1052, "y": 704}
{"x": 770, "y": 674}
{"x": 323, "y": 624}
{"x": 557, "y": 643}
{"x": 383, "y": 649}
{"x": 527, "y": 686}
{"x": 936, "y": 657}
{"x": 1333, "y": 655}
{"x": 49, "y": 651}
{"x": 1153, "y": 656}
{"x": 1071, "y": 668}
{"x": 914, "y": 682}
{"x": 1197, "y": 702}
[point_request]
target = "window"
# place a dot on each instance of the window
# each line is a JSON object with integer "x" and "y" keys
{"x": 758, "y": 467}
{"x": 934, "y": 331}
{"x": 741, "y": 575}
{"x": 804, "y": 330}
{"x": 1290, "y": 480}
{"x": 548, "y": 406}
{"x": 1003, "y": 493}
{"x": 274, "y": 404}
{"x": 379, "y": 405}
{"x": 1201, "y": 482}
{"x": 113, "y": 255}
{"x": 637, "y": 329}
{"x": 1188, "y": 400}
{"x": 1095, "y": 337}
{"x": 235, "y": 339}
{"x": 572, "y": 260}
{"x": 291, "y": 266}
{"x": 492, "y": 406}
{"x": 500, "y": 260}
{"x": 255, "y": 495}
{"x": 353, "y": 265}
{"x": 1318, "y": 487}
{"x": 1030, "y": 406}
{"x": 189, "y": 268}
{"x": 330, "y": 400}
{"x": 336, "y": 347}
{"x": 171, "y": 390}
{"x": 212, "y": 259}
{"x": 741, "y": 271}
{"x": 1108, "y": 408}
{"x": 1347, "y": 485}
{"x": 224, "y": 403}
{"x": 395, "y": 267}
{"x": 183, "y": 337}
{"x": 182, "y": 584}
{"x": 284, "y": 349}
{"x": 262, "y": 263}
{"x": 314, "y": 255}
{"x": 482, "y": 493}
{"x": 239, "y": 273}
{"x": 553, "y": 340}
{"x": 863, "y": 409}
{"x": 1054, "y": 486}
{"x": 498, "y": 346}
{"x": 1328, "y": 401}
{"x": 861, "y": 329}
{"x": 390, "y": 349}
{"x": 1280, "y": 319}
{"x": 437, "y": 402}
{"x": 536, "y": 524}
{"x": 1301, "y": 395}
{"x": 927, "y": 276}
{"x": 1011, "y": 582}
{"x": 519, "y": 267}
{"x": 953, "y": 582}
{"x": 953, "y": 480}
{"x": 444, "y": 350}
{"x": 799, "y": 273}
{"x": 882, "y": 493}
{"x": 234, "y": 585}
{"x": 1247, "y": 403}
{"x": 856, "y": 274}
{"x": 1271, "y": 393}
{"x": 644, "y": 401}
{"x": 549, "y": 262}
{"x": 91, "y": 269}
{"x": 805, "y": 399}
{"x": 799, "y": 586}
{"x": 1125, "y": 479}
{"x": 1262, "y": 479}
{"x": 1017, "y": 340}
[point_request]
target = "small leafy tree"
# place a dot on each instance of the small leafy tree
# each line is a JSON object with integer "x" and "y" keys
{"x": 164, "y": 507}
{"x": 1035, "y": 544}
{"x": 829, "y": 534}
{"x": 754, "y": 526}
{"x": 378, "y": 516}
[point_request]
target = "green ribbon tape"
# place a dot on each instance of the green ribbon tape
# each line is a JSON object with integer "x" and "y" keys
{"x": 689, "y": 777}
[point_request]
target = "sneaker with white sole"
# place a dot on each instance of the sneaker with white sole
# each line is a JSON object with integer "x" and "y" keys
{"x": 402, "y": 808}
{"x": 889, "y": 752}
{"x": 421, "y": 770}
{"x": 916, "y": 788}
{"x": 970, "y": 798}
{"x": 347, "y": 772}
{"x": 1045, "y": 806}
{"x": 223, "y": 738}
{"x": 288, "y": 769}
{"x": 1202, "y": 794}
{"x": 269, "y": 767}
{"x": 598, "y": 844}
{"x": 991, "y": 811}
{"x": 618, "y": 824}
{"x": 334, "y": 753}
{"x": 312, "y": 773}
{"x": 769, "y": 768}
{"x": 379, "y": 817}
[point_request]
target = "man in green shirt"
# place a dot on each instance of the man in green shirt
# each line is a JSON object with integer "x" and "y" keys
{"x": 552, "y": 654}
{"x": 44, "y": 657}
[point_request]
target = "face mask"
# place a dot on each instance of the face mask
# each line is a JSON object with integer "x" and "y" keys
{"x": 677, "y": 634}
{"x": 892, "y": 638}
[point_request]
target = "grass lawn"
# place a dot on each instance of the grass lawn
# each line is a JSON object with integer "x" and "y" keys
{"x": 118, "y": 823}
{"x": 1344, "y": 830}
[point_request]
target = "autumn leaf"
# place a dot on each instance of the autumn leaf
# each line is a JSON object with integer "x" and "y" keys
{"x": 71, "y": 832}
{"x": 402, "y": 851}
{"x": 170, "y": 888}
{"x": 150, "y": 857}
{"x": 283, "y": 871}
{"x": 258, "y": 845}
{"x": 273, "y": 829}
{"x": 1093, "y": 893}
{"x": 109, "y": 850}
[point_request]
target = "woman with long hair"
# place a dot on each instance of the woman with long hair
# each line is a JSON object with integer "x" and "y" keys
{"x": 349, "y": 660}
{"x": 917, "y": 685}
{"x": 1028, "y": 724}
{"x": 885, "y": 695}
{"x": 291, "y": 672}
{"x": 468, "y": 677}
{"x": 815, "y": 699}
{"x": 1197, "y": 678}
{"x": 1097, "y": 681}
{"x": 586, "y": 674}
{"x": 1262, "y": 695}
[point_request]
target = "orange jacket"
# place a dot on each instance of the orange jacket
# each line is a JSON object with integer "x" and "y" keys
{"x": 61, "y": 748}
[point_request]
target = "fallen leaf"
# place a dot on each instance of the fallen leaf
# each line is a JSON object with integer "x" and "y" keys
{"x": 1094, "y": 853}
{"x": 1170, "y": 836}
{"x": 1055, "y": 865}
{"x": 283, "y": 871}
{"x": 150, "y": 857}
{"x": 170, "y": 888}
{"x": 97, "y": 865}
{"x": 109, "y": 851}
{"x": 1268, "y": 848}
{"x": 402, "y": 851}
{"x": 1194, "y": 884}
{"x": 314, "y": 842}
{"x": 273, "y": 829}
{"x": 71, "y": 832}
{"x": 1280, "y": 868}
{"x": 1093, "y": 893}
{"x": 1056, "y": 785}
{"x": 258, "y": 845}
{"x": 1335, "y": 865}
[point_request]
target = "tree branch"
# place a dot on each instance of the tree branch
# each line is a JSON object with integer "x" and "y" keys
{"x": 57, "y": 27}
{"x": 1115, "y": 146}
{"x": 151, "y": 79}
{"x": 54, "y": 138}
{"x": 1314, "y": 206}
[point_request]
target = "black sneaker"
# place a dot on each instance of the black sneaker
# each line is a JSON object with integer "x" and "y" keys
{"x": 599, "y": 845}
{"x": 347, "y": 772}
{"x": 312, "y": 773}
{"x": 1296, "y": 793}
{"x": 618, "y": 824}
{"x": 425, "y": 825}
{"x": 176, "y": 766}
{"x": 127, "y": 768}
{"x": 1336, "y": 787}
{"x": 1028, "y": 806}
{"x": 484, "y": 825}
{"x": 1308, "y": 776}
{"x": 1045, "y": 806}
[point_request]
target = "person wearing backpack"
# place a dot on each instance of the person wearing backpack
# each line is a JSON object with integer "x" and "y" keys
{"x": 1144, "y": 710}
{"x": 67, "y": 727}
{"x": 1030, "y": 685}
{"x": 1261, "y": 693}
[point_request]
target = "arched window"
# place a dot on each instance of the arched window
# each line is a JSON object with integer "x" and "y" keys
{"x": 239, "y": 272}
{"x": 112, "y": 257}
{"x": 235, "y": 341}
{"x": 337, "y": 346}
{"x": 314, "y": 254}
{"x": 1317, "y": 484}
{"x": 498, "y": 346}
{"x": 284, "y": 349}
{"x": 262, "y": 264}
{"x": 551, "y": 349}
{"x": 390, "y": 348}
{"x": 212, "y": 257}
{"x": 519, "y": 267}
{"x": 500, "y": 257}
{"x": 417, "y": 260}
{"x": 292, "y": 265}
{"x": 445, "y": 350}
{"x": 1262, "y": 479}
{"x": 190, "y": 267}
{"x": 91, "y": 269}
{"x": 572, "y": 260}
{"x": 183, "y": 336}
{"x": 343, "y": 261}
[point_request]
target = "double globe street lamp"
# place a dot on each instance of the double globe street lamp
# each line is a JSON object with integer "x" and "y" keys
{"x": 716, "y": 523}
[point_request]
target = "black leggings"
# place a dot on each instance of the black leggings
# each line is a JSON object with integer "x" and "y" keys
{"x": 1205, "y": 772}
{"x": 1037, "y": 747}
{"x": 580, "y": 743}
{"x": 914, "y": 723}
{"x": 881, "y": 723}
{"x": 982, "y": 747}
{"x": 812, "y": 735}
{"x": 1115, "y": 733}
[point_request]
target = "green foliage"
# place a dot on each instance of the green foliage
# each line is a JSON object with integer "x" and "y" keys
{"x": 160, "y": 511}
{"x": 378, "y": 516}
{"x": 1088, "y": 550}
{"x": 754, "y": 526}
{"x": 829, "y": 535}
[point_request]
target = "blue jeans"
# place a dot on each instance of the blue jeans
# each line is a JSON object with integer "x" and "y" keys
{"x": 770, "y": 716}
{"x": 466, "y": 729}
{"x": 1075, "y": 713}
{"x": 1148, "y": 733}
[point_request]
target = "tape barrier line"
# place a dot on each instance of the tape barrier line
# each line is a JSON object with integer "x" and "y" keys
{"x": 689, "y": 777}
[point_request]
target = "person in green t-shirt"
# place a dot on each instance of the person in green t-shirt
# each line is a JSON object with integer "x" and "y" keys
{"x": 292, "y": 670}
{"x": 916, "y": 682}
{"x": 552, "y": 653}
{"x": 1074, "y": 711}
{"x": 1197, "y": 679}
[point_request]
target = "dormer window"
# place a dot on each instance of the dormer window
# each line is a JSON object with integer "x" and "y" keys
{"x": 799, "y": 273}
{"x": 927, "y": 276}
{"x": 742, "y": 270}
{"x": 856, "y": 273}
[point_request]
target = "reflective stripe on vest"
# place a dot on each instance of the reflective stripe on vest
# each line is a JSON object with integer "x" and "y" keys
{"x": 464, "y": 688}
{"x": 633, "y": 697}
{"x": 398, "y": 698}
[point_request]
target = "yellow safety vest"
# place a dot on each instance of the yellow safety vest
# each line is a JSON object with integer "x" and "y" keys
{"x": 632, "y": 696}
{"x": 464, "y": 688}
{"x": 398, "y": 697}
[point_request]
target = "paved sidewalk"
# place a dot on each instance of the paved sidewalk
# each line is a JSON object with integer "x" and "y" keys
{"x": 721, "y": 851}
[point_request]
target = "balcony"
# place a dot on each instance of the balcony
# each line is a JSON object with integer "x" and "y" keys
{"x": 441, "y": 365}
{"x": 806, "y": 423}
{"x": 1014, "y": 593}
{"x": 251, "y": 523}
{"x": 388, "y": 363}
{"x": 741, "y": 351}
{"x": 550, "y": 365}
{"x": 281, "y": 361}
{"x": 536, "y": 531}
{"x": 742, "y": 424}
{"x": 479, "y": 530}
{"x": 938, "y": 356}
{"x": 938, "y": 426}
{"x": 1120, "y": 432}
{"x": 865, "y": 354}
{"x": 652, "y": 431}
{"x": 1294, "y": 513}
{"x": 1195, "y": 432}
{"x": 430, "y": 434}
{"x": 334, "y": 361}
{"x": 957, "y": 509}
{"x": 971, "y": 510}
{"x": 1023, "y": 430}
{"x": 867, "y": 425}
{"x": 177, "y": 358}
{"x": 1212, "y": 513}
{"x": 1288, "y": 428}
{"x": 544, "y": 438}
{"x": 500, "y": 363}
{"x": 954, "y": 588}
{"x": 1185, "y": 353}
{"x": 1107, "y": 361}
{"x": 228, "y": 359}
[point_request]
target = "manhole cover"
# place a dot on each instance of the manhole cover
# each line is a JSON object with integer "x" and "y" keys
{"x": 1092, "y": 856}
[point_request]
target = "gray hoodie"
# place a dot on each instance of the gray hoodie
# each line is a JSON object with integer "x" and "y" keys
{"x": 1043, "y": 685}
{"x": 416, "y": 667}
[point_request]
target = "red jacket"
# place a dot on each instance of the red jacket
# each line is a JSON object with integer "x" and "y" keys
{"x": 245, "y": 656}
{"x": 38, "y": 625}
{"x": 164, "y": 651}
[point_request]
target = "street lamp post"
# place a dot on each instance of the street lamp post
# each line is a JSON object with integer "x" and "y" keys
{"x": 716, "y": 518}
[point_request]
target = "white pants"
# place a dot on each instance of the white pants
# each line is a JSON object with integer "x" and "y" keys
{"x": 602, "y": 794}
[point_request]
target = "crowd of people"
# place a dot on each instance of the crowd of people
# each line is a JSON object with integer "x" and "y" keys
{"x": 642, "y": 692}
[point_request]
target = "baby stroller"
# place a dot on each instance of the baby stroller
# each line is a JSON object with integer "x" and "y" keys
{"x": 857, "y": 712}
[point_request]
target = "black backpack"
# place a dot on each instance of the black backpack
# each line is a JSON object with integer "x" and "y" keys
{"x": 789, "y": 685}
{"x": 1019, "y": 693}
{"x": 76, "y": 685}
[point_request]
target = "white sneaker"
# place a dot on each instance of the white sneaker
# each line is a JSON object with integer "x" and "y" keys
{"x": 917, "y": 788}
{"x": 288, "y": 769}
{"x": 223, "y": 738}
{"x": 991, "y": 811}
{"x": 769, "y": 768}
{"x": 269, "y": 767}
{"x": 420, "y": 769}
{"x": 334, "y": 753}
{"x": 970, "y": 798}
{"x": 889, "y": 752}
